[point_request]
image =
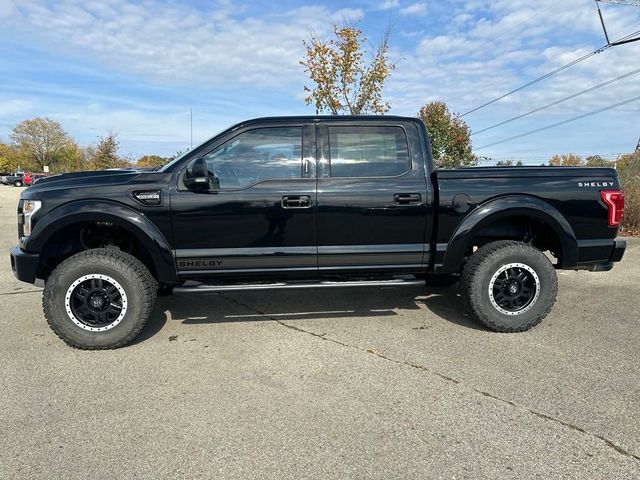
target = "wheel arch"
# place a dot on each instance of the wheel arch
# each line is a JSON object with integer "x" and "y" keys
{"x": 503, "y": 209}
{"x": 133, "y": 222}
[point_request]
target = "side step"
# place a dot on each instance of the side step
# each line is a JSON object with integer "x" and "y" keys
{"x": 195, "y": 287}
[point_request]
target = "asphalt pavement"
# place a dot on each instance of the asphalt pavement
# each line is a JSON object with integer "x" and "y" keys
{"x": 363, "y": 383}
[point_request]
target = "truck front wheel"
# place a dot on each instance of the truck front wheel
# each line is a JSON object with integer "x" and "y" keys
{"x": 99, "y": 299}
{"x": 509, "y": 286}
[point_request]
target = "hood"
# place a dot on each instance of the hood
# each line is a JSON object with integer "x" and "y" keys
{"x": 76, "y": 179}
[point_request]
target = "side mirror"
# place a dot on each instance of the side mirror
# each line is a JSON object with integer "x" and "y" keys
{"x": 197, "y": 176}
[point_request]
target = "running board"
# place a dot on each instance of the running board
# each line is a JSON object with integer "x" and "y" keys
{"x": 243, "y": 287}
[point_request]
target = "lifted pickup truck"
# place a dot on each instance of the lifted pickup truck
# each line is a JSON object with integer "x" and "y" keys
{"x": 310, "y": 202}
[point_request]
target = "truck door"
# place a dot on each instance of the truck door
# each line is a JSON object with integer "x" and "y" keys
{"x": 259, "y": 213}
{"x": 373, "y": 197}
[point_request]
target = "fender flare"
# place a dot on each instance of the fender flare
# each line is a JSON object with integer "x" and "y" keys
{"x": 121, "y": 215}
{"x": 505, "y": 207}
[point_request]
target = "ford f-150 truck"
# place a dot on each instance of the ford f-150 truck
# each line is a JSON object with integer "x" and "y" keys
{"x": 310, "y": 202}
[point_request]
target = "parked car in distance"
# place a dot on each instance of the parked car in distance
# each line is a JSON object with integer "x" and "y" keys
{"x": 31, "y": 178}
{"x": 310, "y": 202}
{"x": 15, "y": 179}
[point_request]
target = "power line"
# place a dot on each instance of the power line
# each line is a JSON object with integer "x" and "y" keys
{"x": 579, "y": 117}
{"x": 604, "y": 25}
{"x": 539, "y": 79}
{"x": 626, "y": 39}
{"x": 557, "y": 102}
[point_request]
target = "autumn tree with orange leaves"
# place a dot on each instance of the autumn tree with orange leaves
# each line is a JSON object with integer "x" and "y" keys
{"x": 343, "y": 81}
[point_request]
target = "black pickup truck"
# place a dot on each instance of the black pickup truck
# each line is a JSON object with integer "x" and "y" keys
{"x": 310, "y": 202}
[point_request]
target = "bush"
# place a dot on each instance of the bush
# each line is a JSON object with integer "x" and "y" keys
{"x": 628, "y": 167}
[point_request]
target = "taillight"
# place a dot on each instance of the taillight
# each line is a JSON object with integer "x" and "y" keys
{"x": 614, "y": 200}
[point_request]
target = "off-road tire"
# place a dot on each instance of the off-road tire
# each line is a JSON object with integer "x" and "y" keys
{"x": 140, "y": 288}
{"x": 476, "y": 279}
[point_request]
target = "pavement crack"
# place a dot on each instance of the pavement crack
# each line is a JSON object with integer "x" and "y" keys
{"x": 20, "y": 292}
{"x": 447, "y": 378}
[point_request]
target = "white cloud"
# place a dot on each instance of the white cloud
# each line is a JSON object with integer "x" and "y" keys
{"x": 7, "y": 8}
{"x": 414, "y": 9}
{"x": 482, "y": 49}
{"x": 497, "y": 46}
{"x": 175, "y": 43}
{"x": 388, "y": 4}
{"x": 348, "y": 15}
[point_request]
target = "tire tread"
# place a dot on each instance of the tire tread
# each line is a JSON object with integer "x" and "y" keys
{"x": 89, "y": 258}
{"x": 470, "y": 285}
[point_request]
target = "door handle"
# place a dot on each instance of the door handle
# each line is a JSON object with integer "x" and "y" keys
{"x": 407, "y": 198}
{"x": 296, "y": 201}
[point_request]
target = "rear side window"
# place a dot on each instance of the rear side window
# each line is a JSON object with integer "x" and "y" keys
{"x": 368, "y": 151}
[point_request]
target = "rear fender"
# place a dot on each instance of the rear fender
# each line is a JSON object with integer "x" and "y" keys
{"x": 505, "y": 207}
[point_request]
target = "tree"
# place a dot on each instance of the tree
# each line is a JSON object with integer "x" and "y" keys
{"x": 569, "y": 160}
{"x": 13, "y": 158}
{"x": 598, "y": 161}
{"x": 71, "y": 158}
{"x": 42, "y": 139}
{"x": 508, "y": 163}
{"x": 343, "y": 81}
{"x": 8, "y": 158}
{"x": 628, "y": 167}
{"x": 151, "y": 161}
{"x": 104, "y": 154}
{"x": 450, "y": 136}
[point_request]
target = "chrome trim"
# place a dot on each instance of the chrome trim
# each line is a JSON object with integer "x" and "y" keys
{"x": 240, "y": 252}
{"x": 373, "y": 249}
{"x": 298, "y": 285}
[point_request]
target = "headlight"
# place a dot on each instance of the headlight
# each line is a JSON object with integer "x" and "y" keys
{"x": 29, "y": 207}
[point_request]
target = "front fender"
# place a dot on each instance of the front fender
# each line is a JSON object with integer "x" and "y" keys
{"x": 130, "y": 220}
{"x": 505, "y": 207}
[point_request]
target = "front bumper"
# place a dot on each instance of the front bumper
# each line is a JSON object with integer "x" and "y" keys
{"x": 24, "y": 265}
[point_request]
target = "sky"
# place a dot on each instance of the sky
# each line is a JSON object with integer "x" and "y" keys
{"x": 138, "y": 68}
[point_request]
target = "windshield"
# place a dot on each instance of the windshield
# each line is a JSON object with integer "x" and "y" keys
{"x": 172, "y": 162}
{"x": 164, "y": 168}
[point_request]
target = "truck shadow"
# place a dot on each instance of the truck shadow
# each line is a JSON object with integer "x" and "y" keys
{"x": 445, "y": 303}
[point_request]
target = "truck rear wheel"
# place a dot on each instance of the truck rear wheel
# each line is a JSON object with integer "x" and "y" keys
{"x": 509, "y": 286}
{"x": 99, "y": 299}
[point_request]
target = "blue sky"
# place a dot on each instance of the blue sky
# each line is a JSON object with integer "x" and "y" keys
{"x": 136, "y": 68}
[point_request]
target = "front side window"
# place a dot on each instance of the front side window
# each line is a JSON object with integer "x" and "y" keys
{"x": 368, "y": 151}
{"x": 256, "y": 155}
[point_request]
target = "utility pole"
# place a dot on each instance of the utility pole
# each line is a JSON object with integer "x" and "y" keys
{"x": 631, "y": 3}
{"x": 191, "y": 121}
{"x": 628, "y": 38}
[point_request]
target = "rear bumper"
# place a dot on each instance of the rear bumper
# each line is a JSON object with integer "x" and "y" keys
{"x": 619, "y": 247}
{"x": 24, "y": 265}
{"x": 600, "y": 256}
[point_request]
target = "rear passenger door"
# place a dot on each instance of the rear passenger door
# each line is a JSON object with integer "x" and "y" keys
{"x": 373, "y": 197}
